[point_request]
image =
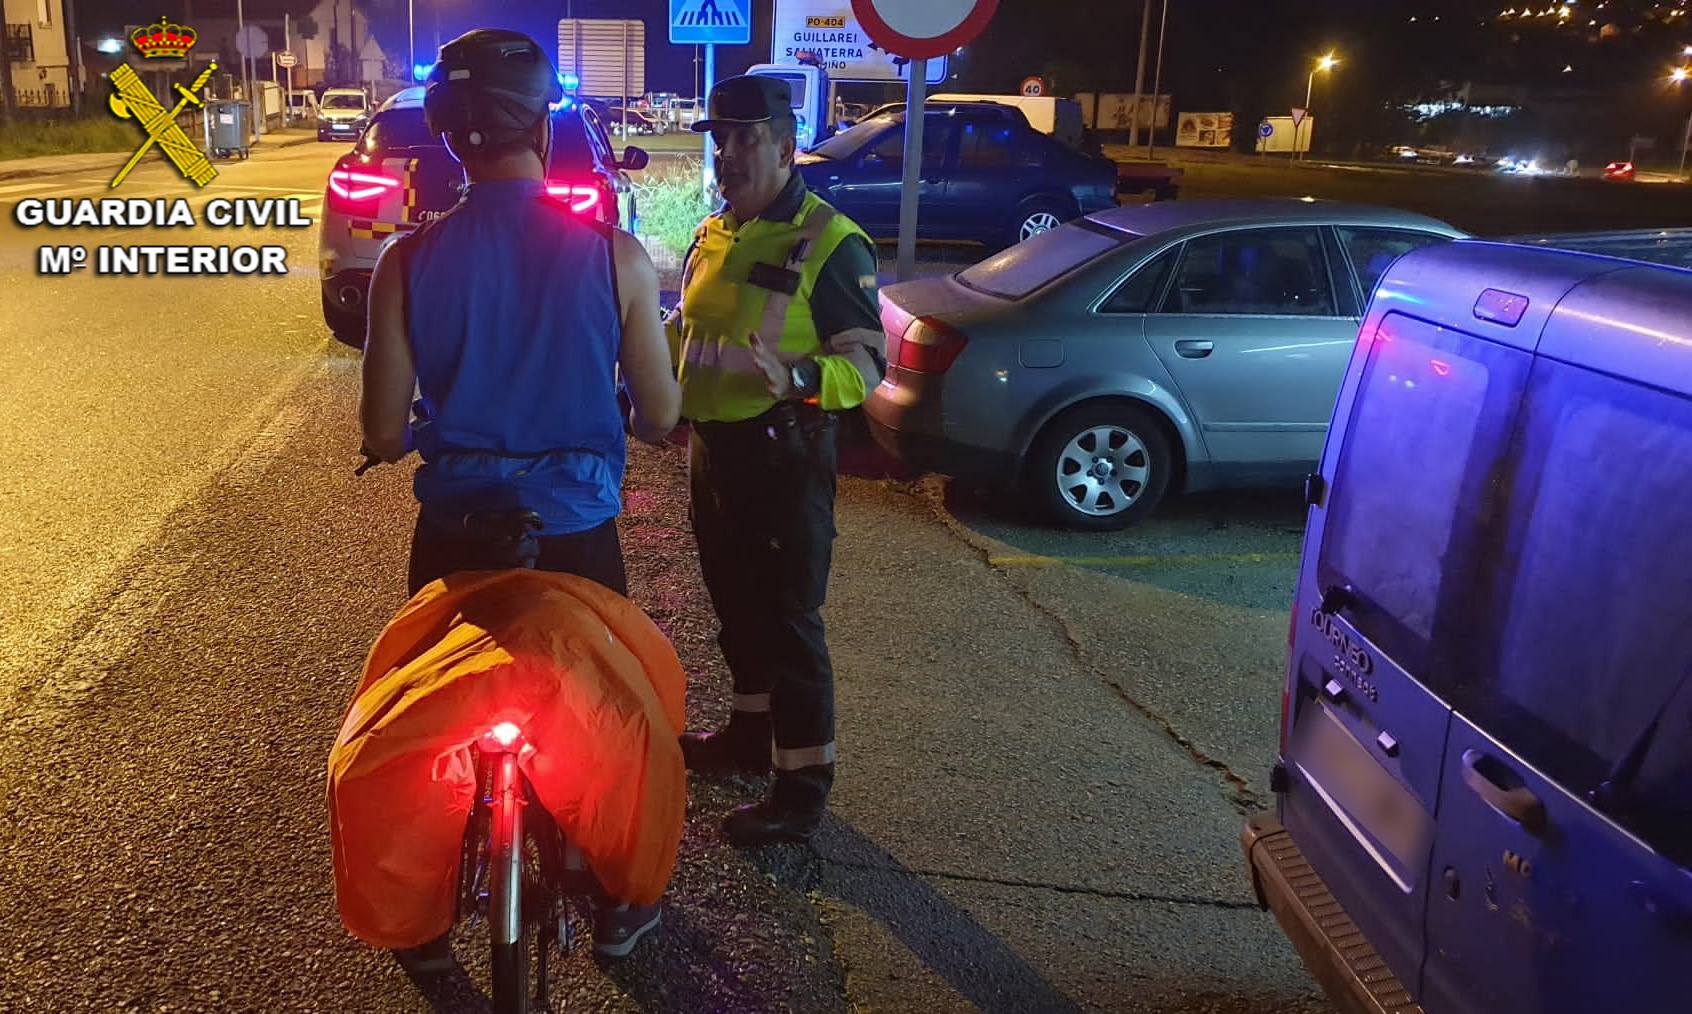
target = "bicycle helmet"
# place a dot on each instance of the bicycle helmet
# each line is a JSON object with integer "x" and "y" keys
{"x": 489, "y": 88}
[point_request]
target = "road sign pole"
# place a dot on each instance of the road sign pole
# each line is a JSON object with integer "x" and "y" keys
{"x": 1140, "y": 76}
{"x": 246, "y": 64}
{"x": 915, "y": 95}
{"x": 708, "y": 172}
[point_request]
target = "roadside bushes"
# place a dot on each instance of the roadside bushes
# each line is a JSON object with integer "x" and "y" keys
{"x": 671, "y": 206}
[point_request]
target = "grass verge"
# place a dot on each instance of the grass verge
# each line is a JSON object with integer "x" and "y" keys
{"x": 672, "y": 204}
{"x": 27, "y": 140}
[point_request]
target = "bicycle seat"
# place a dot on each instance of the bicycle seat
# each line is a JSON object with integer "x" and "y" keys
{"x": 509, "y": 536}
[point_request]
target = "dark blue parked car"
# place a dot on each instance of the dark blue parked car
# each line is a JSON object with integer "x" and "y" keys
{"x": 987, "y": 176}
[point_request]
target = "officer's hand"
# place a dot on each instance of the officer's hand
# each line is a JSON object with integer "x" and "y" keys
{"x": 776, "y": 373}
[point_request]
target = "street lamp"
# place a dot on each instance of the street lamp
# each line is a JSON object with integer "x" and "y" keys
{"x": 1324, "y": 64}
{"x": 1679, "y": 76}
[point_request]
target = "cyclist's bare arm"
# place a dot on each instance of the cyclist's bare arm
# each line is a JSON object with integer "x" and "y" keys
{"x": 645, "y": 356}
{"x": 390, "y": 371}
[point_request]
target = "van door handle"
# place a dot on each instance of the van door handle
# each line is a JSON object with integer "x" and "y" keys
{"x": 1189, "y": 348}
{"x": 1481, "y": 773}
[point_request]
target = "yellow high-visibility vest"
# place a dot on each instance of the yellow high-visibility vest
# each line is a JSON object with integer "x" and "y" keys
{"x": 721, "y": 308}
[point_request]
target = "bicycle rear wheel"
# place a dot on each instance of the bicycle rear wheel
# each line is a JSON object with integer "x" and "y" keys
{"x": 508, "y": 931}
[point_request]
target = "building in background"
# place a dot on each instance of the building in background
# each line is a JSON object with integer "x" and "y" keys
{"x": 37, "y": 56}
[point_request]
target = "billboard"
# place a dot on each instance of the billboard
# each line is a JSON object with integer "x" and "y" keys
{"x": 1204, "y": 130}
{"x": 829, "y": 31}
{"x": 1277, "y": 134}
{"x": 608, "y": 56}
{"x": 1112, "y": 110}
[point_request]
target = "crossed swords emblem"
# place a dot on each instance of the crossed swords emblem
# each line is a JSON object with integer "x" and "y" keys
{"x": 130, "y": 99}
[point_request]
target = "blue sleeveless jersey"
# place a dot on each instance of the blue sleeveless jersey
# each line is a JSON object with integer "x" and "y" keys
{"x": 514, "y": 323}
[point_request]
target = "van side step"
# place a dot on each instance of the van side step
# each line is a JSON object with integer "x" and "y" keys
{"x": 1335, "y": 951}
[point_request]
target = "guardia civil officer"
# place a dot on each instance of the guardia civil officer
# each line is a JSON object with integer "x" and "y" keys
{"x": 776, "y": 332}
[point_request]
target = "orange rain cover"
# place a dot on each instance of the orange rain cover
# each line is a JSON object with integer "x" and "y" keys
{"x": 596, "y": 689}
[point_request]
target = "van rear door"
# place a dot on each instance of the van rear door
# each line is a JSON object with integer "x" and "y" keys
{"x": 1563, "y": 857}
{"x": 1367, "y": 721}
{"x": 1408, "y": 479}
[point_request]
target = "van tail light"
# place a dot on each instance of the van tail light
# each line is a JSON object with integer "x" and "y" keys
{"x": 352, "y": 186}
{"x": 929, "y": 346}
{"x": 581, "y": 198}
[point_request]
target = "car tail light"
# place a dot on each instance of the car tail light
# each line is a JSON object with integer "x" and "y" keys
{"x": 349, "y": 184}
{"x": 581, "y": 198}
{"x": 928, "y": 346}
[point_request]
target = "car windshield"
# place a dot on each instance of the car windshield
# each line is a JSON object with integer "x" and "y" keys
{"x": 1014, "y": 273}
{"x": 342, "y": 102}
{"x": 847, "y": 143}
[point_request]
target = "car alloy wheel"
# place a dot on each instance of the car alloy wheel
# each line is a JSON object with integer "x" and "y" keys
{"x": 1100, "y": 466}
{"x": 1036, "y": 223}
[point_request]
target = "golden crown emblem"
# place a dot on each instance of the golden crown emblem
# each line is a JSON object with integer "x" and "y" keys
{"x": 162, "y": 40}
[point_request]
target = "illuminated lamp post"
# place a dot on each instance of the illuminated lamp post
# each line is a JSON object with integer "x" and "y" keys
{"x": 1325, "y": 63}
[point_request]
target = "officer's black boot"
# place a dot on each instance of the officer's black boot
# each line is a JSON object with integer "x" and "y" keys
{"x": 790, "y": 813}
{"x": 742, "y": 747}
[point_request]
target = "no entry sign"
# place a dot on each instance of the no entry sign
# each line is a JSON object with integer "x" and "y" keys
{"x": 924, "y": 30}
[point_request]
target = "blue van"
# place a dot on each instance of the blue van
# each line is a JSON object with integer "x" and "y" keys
{"x": 1484, "y": 794}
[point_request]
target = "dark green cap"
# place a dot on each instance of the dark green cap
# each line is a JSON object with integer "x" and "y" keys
{"x": 750, "y": 98}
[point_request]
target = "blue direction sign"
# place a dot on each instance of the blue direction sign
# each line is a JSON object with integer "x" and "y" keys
{"x": 710, "y": 22}
{"x": 1265, "y": 128}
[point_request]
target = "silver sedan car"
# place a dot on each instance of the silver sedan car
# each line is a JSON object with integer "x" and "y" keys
{"x": 1180, "y": 345}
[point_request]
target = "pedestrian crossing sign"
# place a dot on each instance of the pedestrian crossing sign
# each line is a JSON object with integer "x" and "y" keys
{"x": 710, "y": 22}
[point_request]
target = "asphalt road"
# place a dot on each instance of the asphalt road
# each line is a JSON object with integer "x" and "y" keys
{"x": 1049, "y": 740}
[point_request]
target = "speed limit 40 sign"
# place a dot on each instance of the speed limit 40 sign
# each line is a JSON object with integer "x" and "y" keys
{"x": 1033, "y": 86}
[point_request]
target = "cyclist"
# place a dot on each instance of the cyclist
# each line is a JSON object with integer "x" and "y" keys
{"x": 509, "y": 318}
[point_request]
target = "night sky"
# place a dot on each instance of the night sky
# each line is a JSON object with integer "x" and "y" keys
{"x": 1251, "y": 56}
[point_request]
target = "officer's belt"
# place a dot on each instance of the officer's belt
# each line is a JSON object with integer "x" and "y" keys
{"x": 780, "y": 416}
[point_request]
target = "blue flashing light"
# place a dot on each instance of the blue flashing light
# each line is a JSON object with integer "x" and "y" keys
{"x": 109, "y": 46}
{"x": 420, "y": 72}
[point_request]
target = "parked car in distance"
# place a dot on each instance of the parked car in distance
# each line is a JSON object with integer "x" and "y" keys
{"x": 1620, "y": 172}
{"x": 987, "y": 177}
{"x": 342, "y": 114}
{"x": 399, "y": 176}
{"x": 1138, "y": 351}
{"x": 302, "y": 106}
{"x": 1483, "y": 797}
{"x": 640, "y": 121}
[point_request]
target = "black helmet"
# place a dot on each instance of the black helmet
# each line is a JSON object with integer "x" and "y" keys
{"x": 489, "y": 87}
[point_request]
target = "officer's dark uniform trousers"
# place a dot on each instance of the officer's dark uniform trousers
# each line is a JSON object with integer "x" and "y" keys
{"x": 763, "y": 515}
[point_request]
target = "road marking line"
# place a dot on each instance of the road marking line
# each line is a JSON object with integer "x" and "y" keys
{"x": 1140, "y": 561}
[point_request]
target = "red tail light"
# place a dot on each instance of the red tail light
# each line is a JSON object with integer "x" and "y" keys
{"x": 928, "y": 346}
{"x": 353, "y": 185}
{"x": 582, "y": 198}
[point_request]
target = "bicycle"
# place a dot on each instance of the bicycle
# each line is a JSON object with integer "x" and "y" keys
{"x": 517, "y": 869}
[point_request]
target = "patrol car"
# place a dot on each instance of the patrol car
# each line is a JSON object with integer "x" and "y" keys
{"x": 399, "y": 176}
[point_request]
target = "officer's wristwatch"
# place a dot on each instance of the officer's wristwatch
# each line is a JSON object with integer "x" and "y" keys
{"x": 802, "y": 375}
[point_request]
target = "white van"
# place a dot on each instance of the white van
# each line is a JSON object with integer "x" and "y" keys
{"x": 301, "y": 106}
